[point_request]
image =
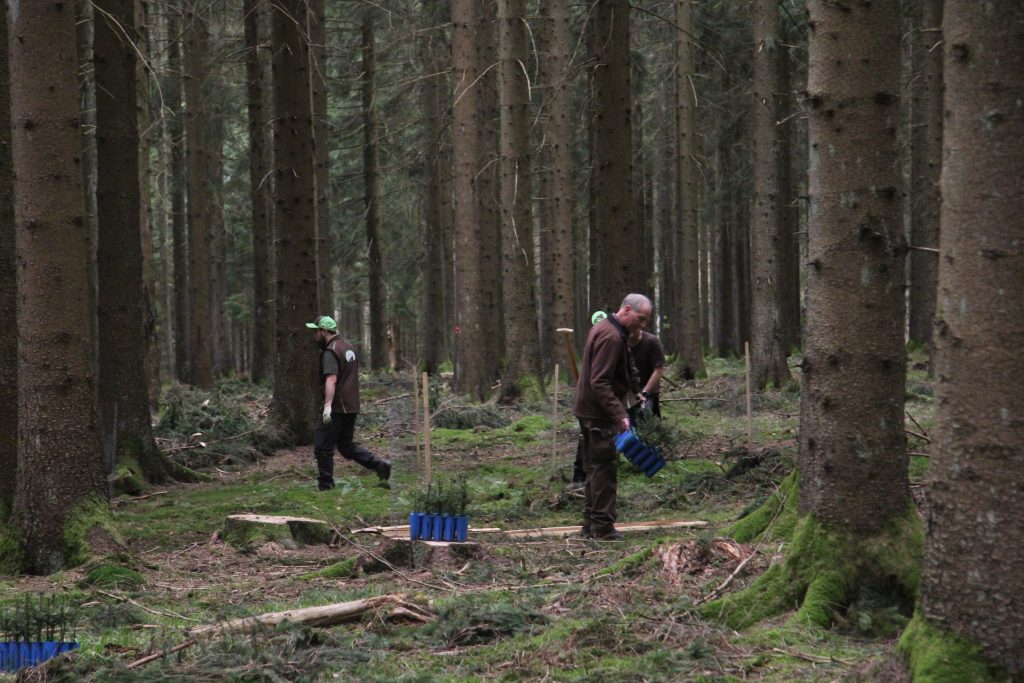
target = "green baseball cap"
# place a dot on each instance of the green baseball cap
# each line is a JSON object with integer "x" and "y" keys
{"x": 324, "y": 322}
{"x": 598, "y": 317}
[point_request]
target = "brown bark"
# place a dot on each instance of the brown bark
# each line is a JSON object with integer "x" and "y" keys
{"x": 295, "y": 369}
{"x": 557, "y": 297}
{"x": 8, "y": 287}
{"x": 58, "y": 440}
{"x": 688, "y": 328}
{"x": 124, "y": 399}
{"x": 196, "y": 39}
{"x": 470, "y": 373}
{"x": 179, "y": 223}
{"x": 522, "y": 348}
{"x": 790, "y": 258}
{"x": 976, "y": 490}
{"x": 488, "y": 219}
{"x": 321, "y": 137}
{"x": 768, "y": 341}
{"x": 925, "y": 167}
{"x": 854, "y": 478}
{"x": 371, "y": 199}
{"x": 668, "y": 271}
{"x": 614, "y": 236}
{"x": 432, "y": 309}
{"x": 260, "y": 165}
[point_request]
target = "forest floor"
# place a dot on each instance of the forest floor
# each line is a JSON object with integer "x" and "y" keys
{"x": 536, "y": 609}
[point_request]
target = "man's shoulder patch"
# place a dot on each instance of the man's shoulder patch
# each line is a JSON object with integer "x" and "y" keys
{"x": 350, "y": 355}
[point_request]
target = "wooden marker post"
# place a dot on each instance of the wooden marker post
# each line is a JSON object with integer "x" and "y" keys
{"x": 750, "y": 419}
{"x": 426, "y": 427}
{"x": 554, "y": 418}
{"x": 416, "y": 415}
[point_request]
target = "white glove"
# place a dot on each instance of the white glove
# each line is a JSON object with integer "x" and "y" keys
{"x": 327, "y": 414}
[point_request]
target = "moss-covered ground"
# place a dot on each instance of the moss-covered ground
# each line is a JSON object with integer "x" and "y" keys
{"x": 552, "y": 608}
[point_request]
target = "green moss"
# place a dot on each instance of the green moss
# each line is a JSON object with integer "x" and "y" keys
{"x": 127, "y": 478}
{"x": 826, "y": 571}
{"x": 937, "y": 656}
{"x": 87, "y": 524}
{"x": 112, "y": 576}
{"x": 776, "y": 518}
{"x": 11, "y": 557}
{"x": 346, "y": 569}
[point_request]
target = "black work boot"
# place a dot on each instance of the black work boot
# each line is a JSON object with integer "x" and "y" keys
{"x": 384, "y": 469}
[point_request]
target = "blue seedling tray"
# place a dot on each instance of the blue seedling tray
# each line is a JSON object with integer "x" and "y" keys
{"x": 645, "y": 458}
{"x": 20, "y": 655}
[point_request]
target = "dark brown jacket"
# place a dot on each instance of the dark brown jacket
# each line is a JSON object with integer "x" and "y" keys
{"x": 604, "y": 375}
{"x": 340, "y": 356}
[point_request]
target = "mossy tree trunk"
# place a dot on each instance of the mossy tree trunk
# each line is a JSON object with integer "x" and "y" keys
{"x": 124, "y": 398}
{"x": 857, "y": 533}
{"x": 59, "y": 464}
{"x": 972, "y": 592}
{"x": 371, "y": 195}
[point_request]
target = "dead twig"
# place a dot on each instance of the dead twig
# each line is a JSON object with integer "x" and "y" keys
{"x": 143, "y": 607}
{"x": 718, "y": 591}
{"x": 163, "y": 653}
{"x": 129, "y": 500}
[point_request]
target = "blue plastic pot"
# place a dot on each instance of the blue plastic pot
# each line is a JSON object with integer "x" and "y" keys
{"x": 415, "y": 521}
{"x": 437, "y": 533}
{"x": 427, "y": 526}
{"x": 643, "y": 460}
{"x": 15, "y": 656}
{"x": 461, "y": 528}
{"x": 625, "y": 440}
{"x": 655, "y": 467}
{"x": 449, "y": 528}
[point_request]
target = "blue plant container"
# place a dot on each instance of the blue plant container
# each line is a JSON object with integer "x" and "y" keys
{"x": 427, "y": 526}
{"x": 449, "y": 528}
{"x": 644, "y": 460}
{"x": 654, "y": 467}
{"x": 20, "y": 655}
{"x": 438, "y": 528}
{"x": 415, "y": 521}
{"x": 461, "y": 528}
{"x": 625, "y": 440}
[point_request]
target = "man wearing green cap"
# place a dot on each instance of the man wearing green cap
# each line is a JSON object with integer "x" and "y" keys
{"x": 339, "y": 384}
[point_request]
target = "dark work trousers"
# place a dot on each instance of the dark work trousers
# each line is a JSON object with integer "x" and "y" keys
{"x": 579, "y": 475}
{"x": 599, "y": 461}
{"x": 338, "y": 435}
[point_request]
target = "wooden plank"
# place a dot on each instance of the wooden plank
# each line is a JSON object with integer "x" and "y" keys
{"x": 402, "y": 531}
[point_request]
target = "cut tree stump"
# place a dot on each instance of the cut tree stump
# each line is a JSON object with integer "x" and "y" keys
{"x": 401, "y": 553}
{"x": 244, "y": 530}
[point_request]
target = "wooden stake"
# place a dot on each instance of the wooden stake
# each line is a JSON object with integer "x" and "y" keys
{"x": 554, "y": 419}
{"x": 750, "y": 419}
{"x": 416, "y": 418}
{"x": 426, "y": 427}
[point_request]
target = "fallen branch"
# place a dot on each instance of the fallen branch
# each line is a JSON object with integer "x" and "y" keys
{"x": 325, "y": 615}
{"x": 143, "y": 607}
{"x": 817, "y": 659}
{"x": 390, "y": 398}
{"x": 718, "y": 591}
{"x": 129, "y": 500}
{"x": 163, "y": 653}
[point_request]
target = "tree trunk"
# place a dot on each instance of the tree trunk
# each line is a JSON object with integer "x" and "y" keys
{"x": 614, "y": 235}
{"x": 688, "y": 328}
{"x": 432, "y": 316}
{"x": 488, "y": 219}
{"x": 371, "y": 199}
{"x": 59, "y": 467}
{"x": 790, "y": 212}
{"x": 161, "y": 207}
{"x": 471, "y": 376}
{"x": 668, "y": 271}
{"x": 201, "y": 330}
{"x": 295, "y": 369}
{"x": 768, "y": 347}
{"x": 216, "y": 136}
{"x": 557, "y": 299}
{"x": 260, "y": 165}
{"x": 854, "y": 359}
{"x": 925, "y": 167}
{"x": 179, "y": 223}
{"x": 522, "y": 348}
{"x": 321, "y": 135}
{"x": 124, "y": 398}
{"x": 8, "y": 287}
{"x": 976, "y": 512}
